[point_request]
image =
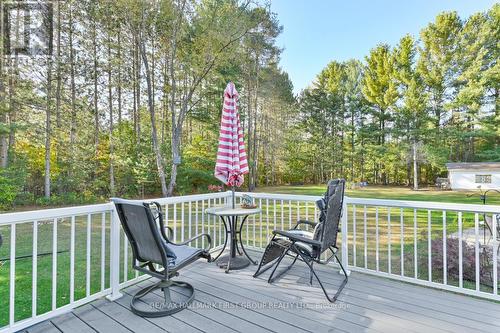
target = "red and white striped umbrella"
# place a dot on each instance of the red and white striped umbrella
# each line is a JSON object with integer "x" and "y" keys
{"x": 231, "y": 155}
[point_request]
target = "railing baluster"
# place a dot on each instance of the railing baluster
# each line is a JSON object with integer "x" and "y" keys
{"x": 175, "y": 222}
{"x": 12, "y": 289}
{"x": 103, "y": 250}
{"x": 196, "y": 221}
{"x": 445, "y": 254}
{"x": 87, "y": 275}
{"x": 429, "y": 244}
{"x": 354, "y": 235}
{"x": 376, "y": 240}
{"x": 307, "y": 213}
{"x": 460, "y": 253}
{"x": 247, "y": 234}
{"x": 203, "y": 222}
{"x": 72, "y": 261}
{"x": 182, "y": 221}
{"x": 190, "y": 219}
{"x": 212, "y": 222}
{"x": 494, "y": 249}
{"x": 402, "y": 241}
{"x": 344, "y": 235}
{"x": 389, "y": 236}
{"x": 34, "y": 279}
{"x": 415, "y": 243}
{"x": 54, "y": 264}
{"x": 166, "y": 215}
{"x": 282, "y": 217}
{"x": 260, "y": 223}
{"x": 214, "y": 225}
{"x": 365, "y": 238}
{"x": 476, "y": 233}
{"x": 253, "y": 226}
{"x": 218, "y": 223}
{"x": 274, "y": 213}
{"x": 290, "y": 214}
{"x": 267, "y": 214}
{"x": 298, "y": 210}
{"x": 125, "y": 257}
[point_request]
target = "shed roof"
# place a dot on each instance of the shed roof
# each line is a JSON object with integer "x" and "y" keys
{"x": 474, "y": 166}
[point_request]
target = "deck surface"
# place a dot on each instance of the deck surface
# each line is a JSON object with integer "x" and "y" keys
{"x": 236, "y": 302}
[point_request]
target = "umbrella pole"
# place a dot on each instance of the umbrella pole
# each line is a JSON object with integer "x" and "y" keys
{"x": 233, "y": 198}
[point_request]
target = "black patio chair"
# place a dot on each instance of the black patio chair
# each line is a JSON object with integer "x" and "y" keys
{"x": 306, "y": 245}
{"x": 156, "y": 255}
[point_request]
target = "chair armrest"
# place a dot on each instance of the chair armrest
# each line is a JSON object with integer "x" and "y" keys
{"x": 170, "y": 232}
{"x": 297, "y": 238}
{"x": 209, "y": 239}
{"x": 299, "y": 222}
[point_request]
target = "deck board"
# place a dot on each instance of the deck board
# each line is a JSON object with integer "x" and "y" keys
{"x": 69, "y": 322}
{"x": 237, "y": 302}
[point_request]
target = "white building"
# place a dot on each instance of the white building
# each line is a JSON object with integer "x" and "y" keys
{"x": 469, "y": 176}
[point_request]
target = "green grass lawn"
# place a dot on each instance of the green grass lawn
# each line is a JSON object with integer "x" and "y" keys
{"x": 392, "y": 192}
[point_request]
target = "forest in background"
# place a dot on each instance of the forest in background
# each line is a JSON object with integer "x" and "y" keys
{"x": 129, "y": 103}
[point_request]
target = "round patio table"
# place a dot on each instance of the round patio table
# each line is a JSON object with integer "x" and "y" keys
{"x": 229, "y": 217}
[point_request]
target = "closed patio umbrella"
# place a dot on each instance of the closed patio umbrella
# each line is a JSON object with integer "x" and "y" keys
{"x": 231, "y": 162}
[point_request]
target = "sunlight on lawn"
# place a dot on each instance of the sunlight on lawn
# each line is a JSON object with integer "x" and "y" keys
{"x": 391, "y": 192}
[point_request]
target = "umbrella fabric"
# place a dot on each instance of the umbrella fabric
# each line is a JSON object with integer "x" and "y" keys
{"x": 231, "y": 162}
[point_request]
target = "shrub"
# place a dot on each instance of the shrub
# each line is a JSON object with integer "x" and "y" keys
{"x": 468, "y": 261}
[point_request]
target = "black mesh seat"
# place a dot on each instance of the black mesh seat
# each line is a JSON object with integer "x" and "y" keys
{"x": 156, "y": 255}
{"x": 309, "y": 246}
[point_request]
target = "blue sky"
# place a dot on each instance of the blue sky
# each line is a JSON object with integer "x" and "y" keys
{"x": 319, "y": 31}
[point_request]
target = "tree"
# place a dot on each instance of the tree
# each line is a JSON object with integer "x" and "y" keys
{"x": 411, "y": 111}
{"x": 380, "y": 90}
{"x": 436, "y": 63}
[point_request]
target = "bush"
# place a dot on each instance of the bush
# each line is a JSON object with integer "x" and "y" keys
{"x": 11, "y": 183}
{"x": 468, "y": 261}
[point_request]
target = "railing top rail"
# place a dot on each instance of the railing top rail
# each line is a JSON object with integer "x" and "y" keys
{"x": 45, "y": 214}
{"x": 51, "y": 213}
{"x": 279, "y": 196}
{"x": 425, "y": 205}
{"x": 191, "y": 197}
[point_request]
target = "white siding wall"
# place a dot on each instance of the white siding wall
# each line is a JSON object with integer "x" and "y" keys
{"x": 466, "y": 179}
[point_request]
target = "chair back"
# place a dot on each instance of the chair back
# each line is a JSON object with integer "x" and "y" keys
{"x": 142, "y": 231}
{"x": 334, "y": 198}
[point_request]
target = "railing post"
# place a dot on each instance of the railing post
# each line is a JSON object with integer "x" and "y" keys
{"x": 114, "y": 256}
{"x": 344, "y": 230}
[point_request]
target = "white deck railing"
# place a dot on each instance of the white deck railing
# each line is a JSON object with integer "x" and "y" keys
{"x": 58, "y": 259}
{"x": 441, "y": 245}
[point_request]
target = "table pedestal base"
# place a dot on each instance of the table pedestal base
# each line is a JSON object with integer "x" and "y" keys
{"x": 238, "y": 262}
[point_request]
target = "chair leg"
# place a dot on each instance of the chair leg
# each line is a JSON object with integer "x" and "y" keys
{"x": 280, "y": 274}
{"x": 270, "y": 279}
{"x": 265, "y": 263}
{"x": 332, "y": 299}
{"x": 168, "y": 306}
{"x": 311, "y": 274}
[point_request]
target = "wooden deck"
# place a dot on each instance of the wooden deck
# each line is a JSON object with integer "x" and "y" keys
{"x": 236, "y": 302}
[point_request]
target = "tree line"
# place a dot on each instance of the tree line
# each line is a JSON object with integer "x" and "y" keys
{"x": 398, "y": 116}
{"x": 128, "y": 100}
